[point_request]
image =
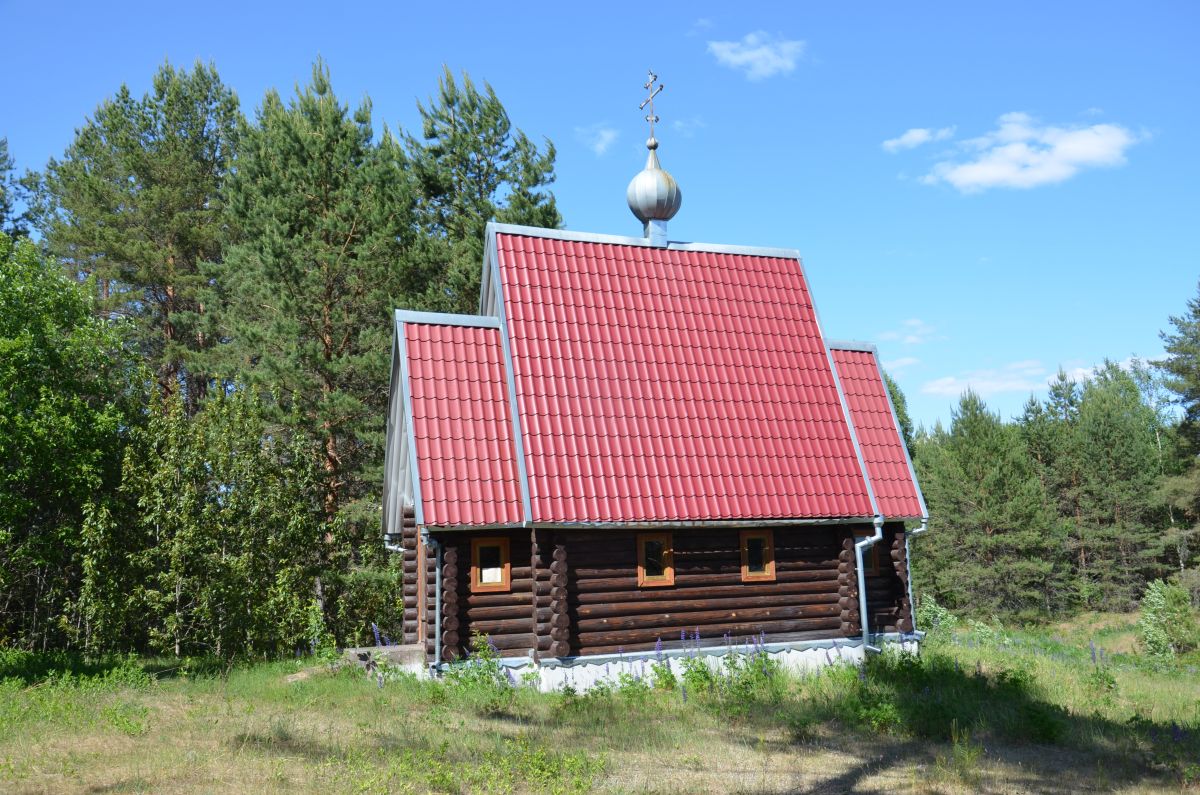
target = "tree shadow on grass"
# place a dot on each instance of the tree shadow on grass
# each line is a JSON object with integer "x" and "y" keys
{"x": 943, "y": 708}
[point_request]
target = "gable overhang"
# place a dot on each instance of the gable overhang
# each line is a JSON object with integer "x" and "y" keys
{"x": 871, "y": 348}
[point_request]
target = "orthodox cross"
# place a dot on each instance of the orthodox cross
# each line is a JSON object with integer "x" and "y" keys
{"x": 650, "y": 100}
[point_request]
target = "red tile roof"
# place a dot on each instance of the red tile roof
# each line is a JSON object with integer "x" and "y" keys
{"x": 462, "y": 425}
{"x": 661, "y": 384}
{"x": 878, "y": 435}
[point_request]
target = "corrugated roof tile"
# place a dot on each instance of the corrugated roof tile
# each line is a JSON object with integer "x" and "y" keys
{"x": 748, "y": 424}
{"x": 879, "y": 439}
{"x": 462, "y": 425}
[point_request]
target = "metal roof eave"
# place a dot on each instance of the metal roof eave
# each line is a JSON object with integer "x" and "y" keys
{"x": 495, "y": 227}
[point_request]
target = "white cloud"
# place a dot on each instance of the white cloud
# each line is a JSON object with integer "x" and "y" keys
{"x": 759, "y": 55}
{"x": 917, "y": 136}
{"x": 1024, "y": 376}
{"x": 699, "y": 26}
{"x": 688, "y": 127}
{"x": 911, "y": 332}
{"x": 903, "y": 362}
{"x": 597, "y": 137}
{"x": 1024, "y": 153}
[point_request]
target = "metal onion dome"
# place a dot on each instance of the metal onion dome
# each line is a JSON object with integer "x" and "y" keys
{"x": 653, "y": 194}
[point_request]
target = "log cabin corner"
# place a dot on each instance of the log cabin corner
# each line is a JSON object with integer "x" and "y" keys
{"x": 638, "y": 447}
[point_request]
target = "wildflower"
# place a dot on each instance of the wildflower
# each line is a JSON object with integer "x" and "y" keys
{"x": 1092, "y": 645}
{"x": 683, "y": 636}
{"x": 658, "y": 649}
{"x": 379, "y": 679}
{"x": 375, "y": 630}
{"x": 696, "y": 636}
{"x": 386, "y": 641}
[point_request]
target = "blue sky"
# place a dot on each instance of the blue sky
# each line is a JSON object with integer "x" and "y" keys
{"x": 988, "y": 194}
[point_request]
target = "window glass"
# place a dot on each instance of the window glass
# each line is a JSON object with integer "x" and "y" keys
{"x": 491, "y": 565}
{"x": 756, "y": 559}
{"x": 655, "y": 565}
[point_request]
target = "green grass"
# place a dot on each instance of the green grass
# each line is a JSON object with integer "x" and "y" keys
{"x": 983, "y": 709}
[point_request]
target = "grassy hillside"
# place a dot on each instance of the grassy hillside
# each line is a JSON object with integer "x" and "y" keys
{"x": 983, "y": 709}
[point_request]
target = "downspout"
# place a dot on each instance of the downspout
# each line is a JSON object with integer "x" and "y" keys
{"x": 912, "y": 605}
{"x": 859, "y": 546}
{"x": 437, "y": 600}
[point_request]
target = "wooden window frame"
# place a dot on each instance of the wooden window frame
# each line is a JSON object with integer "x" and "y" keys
{"x": 871, "y": 557}
{"x": 768, "y": 537}
{"x": 668, "y": 575}
{"x": 505, "y": 584}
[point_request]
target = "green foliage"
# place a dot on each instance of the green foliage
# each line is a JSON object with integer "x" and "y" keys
{"x": 136, "y": 201}
{"x": 11, "y": 223}
{"x": 215, "y": 551}
{"x": 1067, "y": 508}
{"x": 481, "y": 680}
{"x": 316, "y": 265}
{"x": 933, "y": 618}
{"x": 68, "y": 391}
{"x": 900, "y": 404}
{"x": 320, "y": 640}
{"x": 472, "y": 167}
{"x": 1167, "y": 624}
{"x": 999, "y": 550}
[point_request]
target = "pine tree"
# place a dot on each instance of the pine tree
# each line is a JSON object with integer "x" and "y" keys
{"x": 135, "y": 201}
{"x": 472, "y": 167}
{"x": 1120, "y": 517}
{"x": 999, "y": 544}
{"x": 324, "y": 226}
{"x": 901, "y": 405}
{"x": 1182, "y": 367}
{"x": 12, "y": 223}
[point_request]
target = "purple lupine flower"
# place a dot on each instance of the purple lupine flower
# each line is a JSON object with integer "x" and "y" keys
{"x": 828, "y": 657}
{"x": 696, "y": 636}
{"x": 491, "y": 645}
{"x": 1092, "y": 645}
{"x": 375, "y": 630}
{"x": 620, "y": 651}
{"x": 683, "y": 636}
{"x": 379, "y": 679}
{"x": 658, "y": 649}
{"x": 386, "y": 641}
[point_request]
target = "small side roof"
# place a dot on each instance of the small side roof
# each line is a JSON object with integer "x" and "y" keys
{"x": 451, "y": 440}
{"x": 888, "y": 463}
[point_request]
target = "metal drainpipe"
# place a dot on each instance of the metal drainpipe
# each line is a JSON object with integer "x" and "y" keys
{"x": 859, "y": 546}
{"x": 437, "y": 600}
{"x": 912, "y": 605}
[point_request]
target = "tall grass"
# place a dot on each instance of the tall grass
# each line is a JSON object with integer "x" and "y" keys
{"x": 965, "y": 710}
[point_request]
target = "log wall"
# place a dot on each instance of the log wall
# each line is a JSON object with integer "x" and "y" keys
{"x": 608, "y": 612}
{"x": 510, "y": 620}
{"x": 575, "y": 591}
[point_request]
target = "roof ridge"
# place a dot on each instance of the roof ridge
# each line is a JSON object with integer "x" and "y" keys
{"x": 570, "y": 236}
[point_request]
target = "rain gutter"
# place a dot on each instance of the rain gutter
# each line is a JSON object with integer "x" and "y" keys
{"x": 912, "y": 605}
{"x": 866, "y": 543}
{"x": 437, "y": 599}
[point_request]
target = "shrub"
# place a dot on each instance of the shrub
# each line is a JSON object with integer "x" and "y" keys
{"x": 480, "y": 679}
{"x": 935, "y": 618}
{"x": 1167, "y": 625}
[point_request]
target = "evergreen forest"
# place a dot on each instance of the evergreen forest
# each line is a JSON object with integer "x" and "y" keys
{"x": 195, "y": 323}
